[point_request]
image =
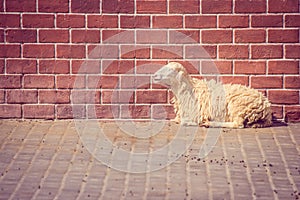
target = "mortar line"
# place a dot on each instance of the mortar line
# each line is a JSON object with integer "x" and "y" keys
{"x": 89, "y": 167}
{"x": 228, "y": 174}
{"x": 148, "y": 173}
{"x": 287, "y": 170}
{"x": 267, "y": 169}
{"x": 108, "y": 170}
{"x": 50, "y": 164}
{"x": 63, "y": 181}
{"x": 209, "y": 183}
{"x": 30, "y": 166}
{"x": 127, "y": 175}
{"x": 6, "y": 139}
{"x": 247, "y": 168}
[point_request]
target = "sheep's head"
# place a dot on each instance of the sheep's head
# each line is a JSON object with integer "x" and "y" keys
{"x": 169, "y": 74}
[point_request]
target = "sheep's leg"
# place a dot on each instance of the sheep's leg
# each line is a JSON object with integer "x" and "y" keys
{"x": 223, "y": 125}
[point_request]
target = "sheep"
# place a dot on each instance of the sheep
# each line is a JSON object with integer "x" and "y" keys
{"x": 212, "y": 104}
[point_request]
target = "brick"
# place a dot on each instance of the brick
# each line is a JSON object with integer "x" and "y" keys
{"x": 118, "y": 96}
{"x": 233, "y": 21}
{"x": 86, "y": 66}
{"x": 54, "y": 66}
{"x": 216, "y": 67}
{"x": 216, "y": 36}
{"x": 184, "y": 7}
{"x": 118, "y": 36}
{"x": 266, "y": 51}
{"x": 38, "y": 81}
{"x": 151, "y": 7}
{"x": 39, "y": 111}
{"x": 267, "y": 21}
{"x": 135, "y": 82}
{"x": 163, "y": 112}
{"x": 103, "y": 112}
{"x": 167, "y": 21}
{"x": 200, "y": 22}
{"x": 85, "y": 97}
{"x": 292, "y": 51}
{"x": 243, "y": 80}
{"x": 135, "y": 21}
{"x": 197, "y": 51}
{"x": 70, "y": 21}
{"x": 118, "y": 67}
{"x": 10, "y": 111}
{"x": 38, "y": 21}
{"x": 22, "y": 96}
{"x": 292, "y": 82}
{"x": 250, "y": 67}
{"x": 283, "y": 36}
{"x": 2, "y": 36}
{"x": 2, "y": 96}
{"x": 103, "y": 51}
{"x": 70, "y": 51}
{"x": 115, "y": 6}
{"x": 277, "y": 111}
{"x": 135, "y": 111}
{"x": 85, "y": 36}
{"x": 1, "y": 5}
{"x": 2, "y": 66}
{"x": 10, "y": 51}
{"x": 21, "y": 66}
{"x": 292, "y": 20}
{"x": 167, "y": 52}
{"x": 283, "y": 67}
{"x": 54, "y": 36}
{"x": 10, "y": 81}
{"x": 54, "y": 96}
{"x": 10, "y": 20}
{"x": 270, "y": 82}
{"x": 216, "y": 6}
{"x": 70, "y": 112}
{"x": 151, "y": 37}
{"x": 233, "y": 51}
{"x": 292, "y": 113}
{"x": 184, "y": 37}
{"x": 38, "y": 51}
{"x": 70, "y": 81}
{"x": 250, "y": 6}
{"x": 104, "y": 82}
{"x": 21, "y": 36}
{"x": 102, "y": 21}
{"x": 283, "y": 96}
{"x": 148, "y": 67}
{"x": 250, "y": 36}
{"x": 151, "y": 96}
{"x": 55, "y": 6}
{"x": 283, "y": 6}
{"x": 133, "y": 51}
{"x": 91, "y": 6}
{"x": 21, "y": 6}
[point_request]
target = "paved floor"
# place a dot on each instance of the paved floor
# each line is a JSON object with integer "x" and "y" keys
{"x": 48, "y": 160}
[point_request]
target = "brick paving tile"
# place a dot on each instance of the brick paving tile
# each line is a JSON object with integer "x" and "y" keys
{"x": 60, "y": 160}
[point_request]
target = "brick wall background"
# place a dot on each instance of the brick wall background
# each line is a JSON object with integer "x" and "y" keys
{"x": 43, "y": 44}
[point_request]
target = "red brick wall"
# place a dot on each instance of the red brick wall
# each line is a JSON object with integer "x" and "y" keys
{"x": 43, "y": 45}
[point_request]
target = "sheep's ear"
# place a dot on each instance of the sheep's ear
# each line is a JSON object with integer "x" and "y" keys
{"x": 179, "y": 76}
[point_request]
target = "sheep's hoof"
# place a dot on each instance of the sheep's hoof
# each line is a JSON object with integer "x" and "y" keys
{"x": 189, "y": 124}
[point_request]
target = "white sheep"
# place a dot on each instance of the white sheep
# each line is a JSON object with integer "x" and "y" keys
{"x": 207, "y": 103}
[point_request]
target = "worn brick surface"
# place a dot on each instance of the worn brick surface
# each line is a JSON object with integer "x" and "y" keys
{"x": 48, "y": 160}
